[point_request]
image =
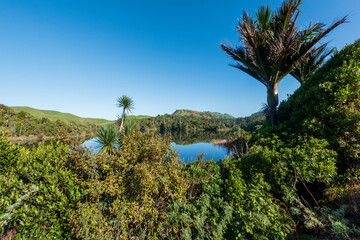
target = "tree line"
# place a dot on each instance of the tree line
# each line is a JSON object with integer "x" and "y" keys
{"x": 24, "y": 125}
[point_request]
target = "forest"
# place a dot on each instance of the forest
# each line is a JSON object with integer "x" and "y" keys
{"x": 296, "y": 174}
{"x": 194, "y": 123}
{"x": 23, "y": 125}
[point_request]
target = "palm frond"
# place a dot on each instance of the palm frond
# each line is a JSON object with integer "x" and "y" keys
{"x": 308, "y": 66}
{"x": 264, "y": 17}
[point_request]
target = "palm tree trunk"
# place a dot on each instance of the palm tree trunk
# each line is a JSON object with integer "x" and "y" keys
{"x": 273, "y": 101}
{"x": 122, "y": 121}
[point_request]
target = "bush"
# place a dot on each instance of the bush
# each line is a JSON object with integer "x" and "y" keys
{"x": 204, "y": 214}
{"x": 327, "y": 106}
{"x": 126, "y": 193}
{"x": 257, "y": 214}
{"x": 38, "y": 190}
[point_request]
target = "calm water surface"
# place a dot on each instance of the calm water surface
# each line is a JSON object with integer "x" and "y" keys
{"x": 190, "y": 152}
{"x": 91, "y": 144}
{"x": 186, "y": 152}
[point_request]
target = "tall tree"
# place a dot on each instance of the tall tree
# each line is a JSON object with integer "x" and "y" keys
{"x": 273, "y": 46}
{"x": 127, "y": 104}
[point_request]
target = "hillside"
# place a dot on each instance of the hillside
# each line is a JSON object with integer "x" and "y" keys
{"x": 66, "y": 117}
{"x": 22, "y": 125}
{"x": 138, "y": 117}
{"x": 207, "y": 114}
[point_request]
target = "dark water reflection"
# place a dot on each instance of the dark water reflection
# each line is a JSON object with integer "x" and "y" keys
{"x": 69, "y": 141}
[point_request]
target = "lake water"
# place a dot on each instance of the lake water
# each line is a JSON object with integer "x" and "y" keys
{"x": 186, "y": 152}
{"x": 190, "y": 152}
{"x": 91, "y": 144}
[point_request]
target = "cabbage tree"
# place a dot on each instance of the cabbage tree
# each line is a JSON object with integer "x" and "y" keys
{"x": 127, "y": 104}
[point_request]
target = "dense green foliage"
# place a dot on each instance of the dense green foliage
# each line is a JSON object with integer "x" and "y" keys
{"x": 314, "y": 150}
{"x": 328, "y": 106}
{"x": 207, "y": 114}
{"x": 197, "y": 123}
{"x": 126, "y": 192}
{"x": 22, "y": 124}
{"x": 39, "y": 181}
{"x": 89, "y": 196}
{"x": 204, "y": 214}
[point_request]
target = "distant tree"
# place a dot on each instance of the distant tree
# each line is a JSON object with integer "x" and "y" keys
{"x": 273, "y": 46}
{"x": 127, "y": 104}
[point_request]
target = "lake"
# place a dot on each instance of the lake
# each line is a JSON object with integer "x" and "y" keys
{"x": 191, "y": 151}
{"x": 187, "y": 152}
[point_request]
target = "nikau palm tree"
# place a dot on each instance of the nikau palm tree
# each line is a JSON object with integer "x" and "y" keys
{"x": 273, "y": 46}
{"x": 306, "y": 68}
{"x": 127, "y": 104}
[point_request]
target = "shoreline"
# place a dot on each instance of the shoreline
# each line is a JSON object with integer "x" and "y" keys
{"x": 45, "y": 138}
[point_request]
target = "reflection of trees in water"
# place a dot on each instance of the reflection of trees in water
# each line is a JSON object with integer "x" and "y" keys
{"x": 69, "y": 141}
{"x": 185, "y": 138}
{"x": 238, "y": 146}
{"x": 191, "y": 129}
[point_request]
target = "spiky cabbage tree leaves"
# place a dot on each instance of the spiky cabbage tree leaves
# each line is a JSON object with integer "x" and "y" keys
{"x": 107, "y": 138}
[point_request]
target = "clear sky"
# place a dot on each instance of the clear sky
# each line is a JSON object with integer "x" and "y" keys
{"x": 79, "y": 56}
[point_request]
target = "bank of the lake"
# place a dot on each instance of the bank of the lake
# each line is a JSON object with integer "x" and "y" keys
{"x": 45, "y": 138}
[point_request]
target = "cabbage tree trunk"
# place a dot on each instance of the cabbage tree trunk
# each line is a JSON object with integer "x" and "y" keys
{"x": 122, "y": 121}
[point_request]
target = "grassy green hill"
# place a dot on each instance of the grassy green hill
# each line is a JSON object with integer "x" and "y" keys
{"x": 138, "y": 117}
{"x": 207, "y": 114}
{"x": 66, "y": 117}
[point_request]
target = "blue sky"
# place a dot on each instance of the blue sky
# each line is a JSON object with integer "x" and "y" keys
{"x": 79, "y": 56}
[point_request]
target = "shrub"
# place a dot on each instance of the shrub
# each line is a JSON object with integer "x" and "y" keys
{"x": 204, "y": 214}
{"x": 327, "y": 106}
{"x": 40, "y": 190}
{"x": 257, "y": 214}
{"x": 127, "y": 193}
